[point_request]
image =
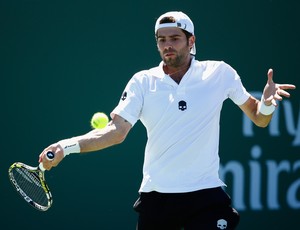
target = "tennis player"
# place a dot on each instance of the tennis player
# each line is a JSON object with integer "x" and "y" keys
{"x": 179, "y": 102}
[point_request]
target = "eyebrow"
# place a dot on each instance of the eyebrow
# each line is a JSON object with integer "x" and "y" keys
{"x": 171, "y": 36}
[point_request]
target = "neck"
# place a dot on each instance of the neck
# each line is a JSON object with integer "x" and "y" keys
{"x": 177, "y": 73}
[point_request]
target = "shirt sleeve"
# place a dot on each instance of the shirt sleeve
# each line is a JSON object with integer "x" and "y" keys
{"x": 131, "y": 102}
{"x": 237, "y": 92}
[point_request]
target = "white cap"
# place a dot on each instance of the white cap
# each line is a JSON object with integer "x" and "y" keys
{"x": 182, "y": 21}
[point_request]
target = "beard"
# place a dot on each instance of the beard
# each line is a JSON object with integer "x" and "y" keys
{"x": 173, "y": 62}
{"x": 178, "y": 60}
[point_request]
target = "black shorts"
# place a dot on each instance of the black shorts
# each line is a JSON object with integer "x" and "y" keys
{"x": 206, "y": 209}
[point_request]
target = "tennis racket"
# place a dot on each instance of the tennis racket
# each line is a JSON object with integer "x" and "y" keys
{"x": 30, "y": 183}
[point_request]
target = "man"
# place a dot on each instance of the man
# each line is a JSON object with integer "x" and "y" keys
{"x": 179, "y": 102}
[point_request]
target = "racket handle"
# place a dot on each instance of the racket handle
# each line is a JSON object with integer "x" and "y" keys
{"x": 49, "y": 156}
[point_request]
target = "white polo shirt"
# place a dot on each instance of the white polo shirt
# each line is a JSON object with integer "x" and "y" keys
{"x": 182, "y": 123}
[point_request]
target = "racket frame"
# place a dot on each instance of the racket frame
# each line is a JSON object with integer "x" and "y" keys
{"x": 39, "y": 174}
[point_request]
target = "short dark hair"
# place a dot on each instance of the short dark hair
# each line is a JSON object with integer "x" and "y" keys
{"x": 171, "y": 19}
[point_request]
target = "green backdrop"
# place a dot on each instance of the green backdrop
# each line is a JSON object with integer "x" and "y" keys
{"x": 61, "y": 61}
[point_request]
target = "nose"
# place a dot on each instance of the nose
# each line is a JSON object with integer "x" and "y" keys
{"x": 168, "y": 47}
{"x": 168, "y": 44}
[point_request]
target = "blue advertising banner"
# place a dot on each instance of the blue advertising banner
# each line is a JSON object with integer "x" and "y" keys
{"x": 62, "y": 61}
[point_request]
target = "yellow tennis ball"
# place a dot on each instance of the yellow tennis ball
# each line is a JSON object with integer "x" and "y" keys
{"x": 99, "y": 120}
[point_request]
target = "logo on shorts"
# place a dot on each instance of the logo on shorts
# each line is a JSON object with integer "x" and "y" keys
{"x": 222, "y": 224}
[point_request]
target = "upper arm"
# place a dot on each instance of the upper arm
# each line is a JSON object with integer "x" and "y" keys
{"x": 251, "y": 109}
{"x": 122, "y": 126}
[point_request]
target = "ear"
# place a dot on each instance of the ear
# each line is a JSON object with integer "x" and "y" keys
{"x": 192, "y": 40}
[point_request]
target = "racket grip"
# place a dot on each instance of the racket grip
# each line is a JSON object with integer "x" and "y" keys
{"x": 50, "y": 156}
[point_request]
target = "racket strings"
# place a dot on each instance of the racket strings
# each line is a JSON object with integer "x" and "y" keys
{"x": 30, "y": 186}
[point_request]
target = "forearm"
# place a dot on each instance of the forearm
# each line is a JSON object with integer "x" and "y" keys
{"x": 114, "y": 133}
{"x": 262, "y": 119}
{"x": 252, "y": 108}
{"x": 99, "y": 139}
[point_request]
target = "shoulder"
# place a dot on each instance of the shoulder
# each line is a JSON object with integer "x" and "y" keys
{"x": 143, "y": 78}
{"x": 212, "y": 64}
{"x": 214, "y": 69}
{"x": 148, "y": 74}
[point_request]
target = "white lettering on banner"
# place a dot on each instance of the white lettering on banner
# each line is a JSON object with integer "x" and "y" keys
{"x": 265, "y": 176}
{"x": 273, "y": 170}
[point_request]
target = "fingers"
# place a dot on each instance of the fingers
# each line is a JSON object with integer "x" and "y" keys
{"x": 270, "y": 75}
{"x": 58, "y": 156}
{"x": 281, "y": 91}
{"x": 281, "y": 86}
{"x": 47, "y": 163}
{"x": 286, "y": 86}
